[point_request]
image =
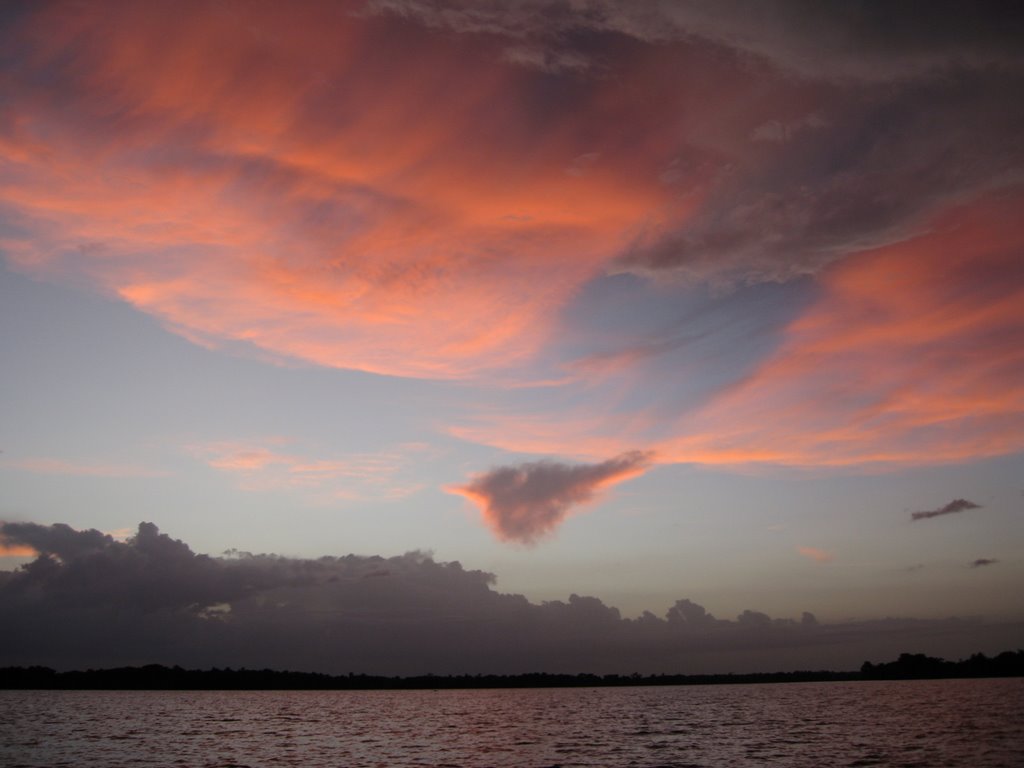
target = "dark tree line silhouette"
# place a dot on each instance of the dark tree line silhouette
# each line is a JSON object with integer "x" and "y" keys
{"x": 157, "y": 677}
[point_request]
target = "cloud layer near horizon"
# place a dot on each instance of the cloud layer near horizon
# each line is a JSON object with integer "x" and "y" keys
{"x": 88, "y": 600}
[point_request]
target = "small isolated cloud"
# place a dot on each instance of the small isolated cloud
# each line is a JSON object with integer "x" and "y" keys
{"x": 818, "y": 555}
{"x": 982, "y": 561}
{"x": 523, "y": 503}
{"x": 957, "y": 505}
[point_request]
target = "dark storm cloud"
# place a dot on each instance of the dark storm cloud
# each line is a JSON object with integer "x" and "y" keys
{"x": 523, "y": 503}
{"x": 955, "y": 506}
{"x": 983, "y": 561}
{"x": 151, "y": 599}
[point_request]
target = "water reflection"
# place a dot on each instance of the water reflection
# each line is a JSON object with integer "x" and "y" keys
{"x": 908, "y": 723}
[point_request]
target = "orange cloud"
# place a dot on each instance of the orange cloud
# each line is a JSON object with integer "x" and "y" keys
{"x": 277, "y": 180}
{"x": 526, "y": 502}
{"x": 909, "y": 355}
{"x": 265, "y": 466}
{"x": 818, "y": 555}
{"x": 16, "y": 550}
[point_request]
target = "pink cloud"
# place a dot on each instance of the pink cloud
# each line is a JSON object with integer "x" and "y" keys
{"x": 268, "y": 466}
{"x": 909, "y": 355}
{"x": 242, "y": 202}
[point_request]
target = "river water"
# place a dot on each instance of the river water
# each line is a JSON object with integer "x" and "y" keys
{"x": 927, "y": 723}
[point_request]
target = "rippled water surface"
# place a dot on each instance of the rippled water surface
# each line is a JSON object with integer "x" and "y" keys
{"x": 923, "y": 723}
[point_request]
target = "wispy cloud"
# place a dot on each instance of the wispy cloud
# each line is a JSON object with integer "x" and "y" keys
{"x": 526, "y": 502}
{"x": 443, "y": 218}
{"x": 53, "y": 466}
{"x": 955, "y": 506}
{"x": 275, "y": 464}
{"x": 983, "y": 561}
{"x": 804, "y": 39}
{"x": 777, "y": 131}
{"x": 905, "y": 355}
{"x": 818, "y": 555}
{"x": 273, "y": 216}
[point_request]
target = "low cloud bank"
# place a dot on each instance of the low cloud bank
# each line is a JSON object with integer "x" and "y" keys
{"x": 88, "y": 600}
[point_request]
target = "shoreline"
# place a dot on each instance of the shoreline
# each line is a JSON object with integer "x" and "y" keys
{"x": 162, "y": 678}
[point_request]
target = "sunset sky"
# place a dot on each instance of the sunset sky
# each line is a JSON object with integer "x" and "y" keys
{"x": 659, "y": 305}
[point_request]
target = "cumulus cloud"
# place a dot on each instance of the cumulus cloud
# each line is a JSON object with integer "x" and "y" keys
{"x": 955, "y": 506}
{"x": 526, "y": 502}
{"x": 273, "y": 463}
{"x": 59, "y": 539}
{"x": 91, "y": 601}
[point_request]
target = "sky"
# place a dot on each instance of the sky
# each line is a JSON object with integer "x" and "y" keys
{"x": 404, "y": 336}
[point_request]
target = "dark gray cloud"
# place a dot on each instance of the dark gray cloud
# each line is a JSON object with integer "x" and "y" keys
{"x": 151, "y": 599}
{"x": 864, "y": 41}
{"x": 525, "y": 502}
{"x": 870, "y": 41}
{"x": 983, "y": 561}
{"x": 59, "y": 539}
{"x": 876, "y": 170}
{"x": 955, "y": 506}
